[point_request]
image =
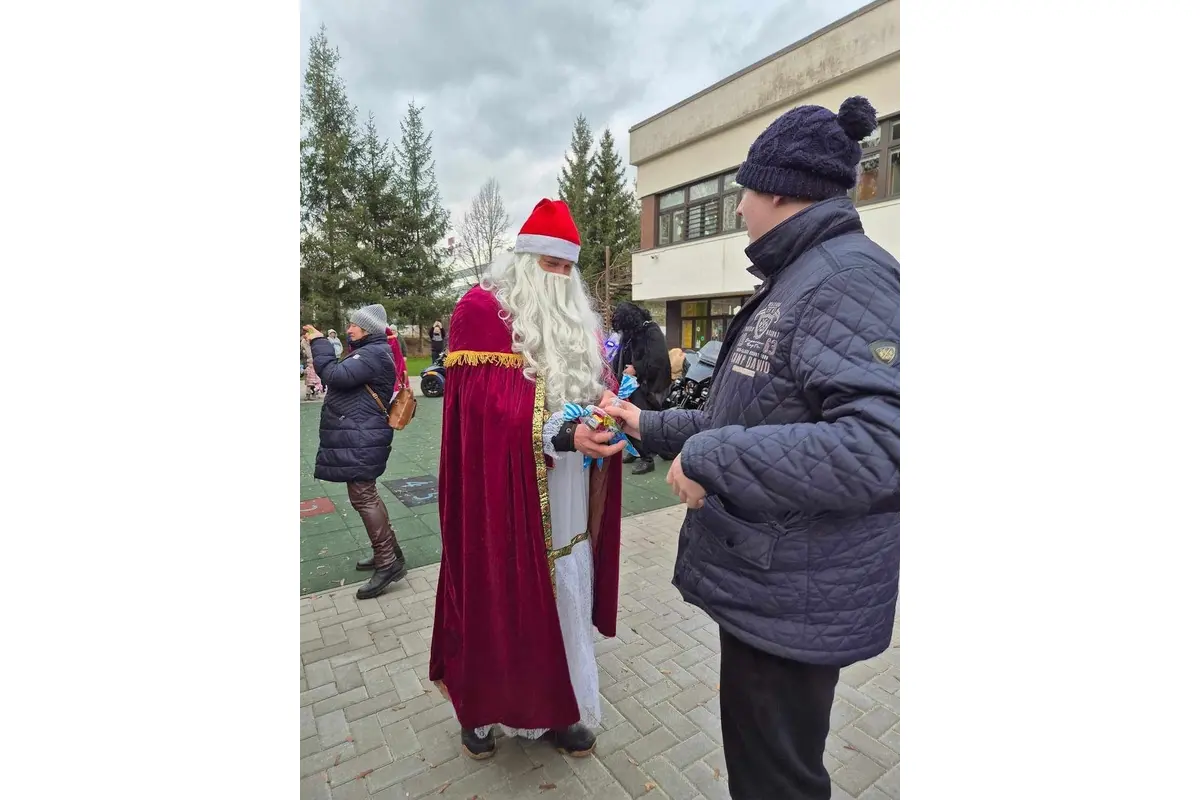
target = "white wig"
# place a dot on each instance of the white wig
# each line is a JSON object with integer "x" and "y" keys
{"x": 554, "y": 327}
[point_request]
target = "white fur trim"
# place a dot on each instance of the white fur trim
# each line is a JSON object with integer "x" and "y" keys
{"x": 549, "y": 431}
{"x": 546, "y": 246}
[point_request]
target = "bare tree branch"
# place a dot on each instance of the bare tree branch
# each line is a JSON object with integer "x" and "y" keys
{"x": 619, "y": 280}
{"x": 483, "y": 228}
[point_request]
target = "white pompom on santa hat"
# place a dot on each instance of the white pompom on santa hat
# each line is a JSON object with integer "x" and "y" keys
{"x": 549, "y": 231}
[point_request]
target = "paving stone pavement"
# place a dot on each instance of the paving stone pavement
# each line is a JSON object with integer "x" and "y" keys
{"x": 372, "y": 725}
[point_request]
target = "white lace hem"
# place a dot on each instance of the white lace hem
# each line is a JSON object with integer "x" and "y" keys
{"x": 574, "y": 578}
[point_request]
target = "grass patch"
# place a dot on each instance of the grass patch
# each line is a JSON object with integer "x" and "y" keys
{"x": 417, "y": 363}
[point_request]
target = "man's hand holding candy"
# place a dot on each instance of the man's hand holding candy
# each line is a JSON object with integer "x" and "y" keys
{"x": 628, "y": 415}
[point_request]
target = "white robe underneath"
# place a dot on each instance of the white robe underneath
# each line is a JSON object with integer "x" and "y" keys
{"x": 567, "y": 482}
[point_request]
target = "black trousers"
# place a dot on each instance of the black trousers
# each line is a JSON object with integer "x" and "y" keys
{"x": 774, "y": 720}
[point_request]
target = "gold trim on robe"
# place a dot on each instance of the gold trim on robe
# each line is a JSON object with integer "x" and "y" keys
{"x": 539, "y": 460}
{"x": 476, "y": 358}
{"x": 566, "y": 549}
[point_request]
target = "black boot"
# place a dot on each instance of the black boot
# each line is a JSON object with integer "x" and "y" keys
{"x": 382, "y": 578}
{"x": 368, "y": 563}
{"x": 644, "y": 465}
{"x": 576, "y": 741}
{"x": 478, "y": 748}
{"x": 628, "y": 458}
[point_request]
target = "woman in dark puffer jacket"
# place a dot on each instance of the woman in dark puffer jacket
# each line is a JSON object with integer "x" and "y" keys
{"x": 355, "y": 436}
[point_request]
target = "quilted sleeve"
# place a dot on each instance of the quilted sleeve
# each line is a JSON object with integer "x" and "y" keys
{"x": 844, "y": 356}
{"x": 666, "y": 431}
{"x": 348, "y": 374}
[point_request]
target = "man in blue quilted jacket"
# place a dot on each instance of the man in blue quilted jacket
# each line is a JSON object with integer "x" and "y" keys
{"x": 791, "y": 473}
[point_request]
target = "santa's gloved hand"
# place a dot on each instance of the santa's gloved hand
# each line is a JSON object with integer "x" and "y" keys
{"x": 595, "y": 443}
{"x": 599, "y": 422}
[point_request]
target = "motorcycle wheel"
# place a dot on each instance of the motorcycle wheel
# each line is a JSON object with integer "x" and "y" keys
{"x": 431, "y": 386}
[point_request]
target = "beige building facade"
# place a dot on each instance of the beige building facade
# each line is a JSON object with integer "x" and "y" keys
{"x": 692, "y": 243}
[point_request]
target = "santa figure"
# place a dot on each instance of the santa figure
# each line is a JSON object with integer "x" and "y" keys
{"x": 530, "y": 537}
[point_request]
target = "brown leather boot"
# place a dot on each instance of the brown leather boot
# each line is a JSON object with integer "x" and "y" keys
{"x": 367, "y": 564}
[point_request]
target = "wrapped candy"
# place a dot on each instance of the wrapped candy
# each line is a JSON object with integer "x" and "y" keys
{"x": 596, "y": 419}
{"x": 629, "y": 385}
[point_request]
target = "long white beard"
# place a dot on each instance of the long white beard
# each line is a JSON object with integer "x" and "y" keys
{"x": 554, "y": 327}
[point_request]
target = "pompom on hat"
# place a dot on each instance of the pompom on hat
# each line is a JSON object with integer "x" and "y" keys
{"x": 549, "y": 231}
{"x": 809, "y": 152}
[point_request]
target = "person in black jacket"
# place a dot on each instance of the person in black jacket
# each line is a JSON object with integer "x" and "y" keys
{"x": 642, "y": 353}
{"x": 437, "y": 339}
{"x": 356, "y": 439}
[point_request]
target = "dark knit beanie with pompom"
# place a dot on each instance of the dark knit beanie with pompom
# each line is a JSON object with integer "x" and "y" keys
{"x": 809, "y": 153}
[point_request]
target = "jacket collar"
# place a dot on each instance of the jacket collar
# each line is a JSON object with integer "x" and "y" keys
{"x": 787, "y": 241}
{"x": 370, "y": 338}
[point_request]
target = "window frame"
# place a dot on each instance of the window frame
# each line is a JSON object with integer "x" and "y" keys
{"x": 883, "y": 151}
{"x": 686, "y": 322}
{"x": 727, "y": 186}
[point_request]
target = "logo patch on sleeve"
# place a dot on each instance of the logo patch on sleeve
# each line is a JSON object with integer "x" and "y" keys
{"x": 885, "y": 352}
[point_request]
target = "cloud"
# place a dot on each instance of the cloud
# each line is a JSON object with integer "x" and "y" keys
{"x": 502, "y": 82}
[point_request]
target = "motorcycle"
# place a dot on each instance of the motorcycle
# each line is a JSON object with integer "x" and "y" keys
{"x": 691, "y": 391}
{"x": 433, "y": 377}
{"x": 676, "y": 393}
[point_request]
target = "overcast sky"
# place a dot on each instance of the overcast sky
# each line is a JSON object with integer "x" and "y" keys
{"x": 503, "y": 80}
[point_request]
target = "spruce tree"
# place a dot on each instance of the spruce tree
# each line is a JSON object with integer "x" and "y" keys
{"x": 328, "y": 163}
{"x": 424, "y": 280}
{"x": 614, "y": 221}
{"x": 573, "y": 188}
{"x": 382, "y": 224}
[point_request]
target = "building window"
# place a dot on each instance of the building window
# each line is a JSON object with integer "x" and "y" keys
{"x": 879, "y": 169}
{"x": 702, "y": 321}
{"x": 705, "y": 208}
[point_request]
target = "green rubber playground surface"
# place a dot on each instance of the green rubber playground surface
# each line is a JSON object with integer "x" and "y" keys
{"x": 332, "y": 536}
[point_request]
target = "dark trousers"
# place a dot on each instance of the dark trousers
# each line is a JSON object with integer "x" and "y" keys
{"x": 774, "y": 720}
{"x": 643, "y": 453}
{"x": 364, "y": 498}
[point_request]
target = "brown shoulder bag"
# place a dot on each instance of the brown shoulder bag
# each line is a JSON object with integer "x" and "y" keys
{"x": 403, "y": 409}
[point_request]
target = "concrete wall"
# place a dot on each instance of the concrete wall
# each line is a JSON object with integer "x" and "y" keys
{"x": 837, "y": 52}
{"x": 717, "y": 266}
{"x": 709, "y": 133}
{"x": 881, "y": 222}
{"x": 727, "y": 149}
{"x": 693, "y": 269}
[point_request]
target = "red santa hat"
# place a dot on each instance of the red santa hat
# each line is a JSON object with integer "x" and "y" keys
{"x": 549, "y": 231}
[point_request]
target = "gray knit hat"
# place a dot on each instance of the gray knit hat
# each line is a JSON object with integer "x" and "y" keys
{"x": 372, "y": 319}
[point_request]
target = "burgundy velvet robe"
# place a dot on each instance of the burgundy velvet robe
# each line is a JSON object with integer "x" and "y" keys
{"x": 497, "y": 648}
